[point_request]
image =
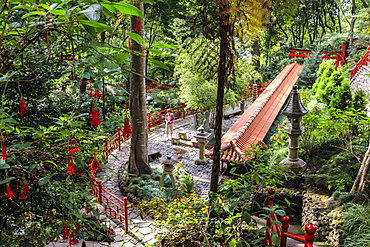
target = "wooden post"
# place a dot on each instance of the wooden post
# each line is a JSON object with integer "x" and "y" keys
{"x": 148, "y": 121}
{"x": 125, "y": 200}
{"x": 310, "y": 234}
{"x": 100, "y": 191}
{"x": 119, "y": 138}
{"x": 285, "y": 220}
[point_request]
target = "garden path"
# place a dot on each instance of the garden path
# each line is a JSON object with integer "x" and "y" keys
{"x": 141, "y": 231}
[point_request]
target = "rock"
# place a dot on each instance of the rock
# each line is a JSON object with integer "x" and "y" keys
{"x": 179, "y": 150}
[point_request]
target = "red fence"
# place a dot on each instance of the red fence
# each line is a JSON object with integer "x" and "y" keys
{"x": 150, "y": 86}
{"x": 337, "y": 56}
{"x": 260, "y": 88}
{"x": 114, "y": 206}
{"x": 365, "y": 59}
{"x": 157, "y": 118}
{"x": 282, "y": 230}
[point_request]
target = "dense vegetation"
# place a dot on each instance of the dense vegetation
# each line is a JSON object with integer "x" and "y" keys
{"x": 65, "y": 69}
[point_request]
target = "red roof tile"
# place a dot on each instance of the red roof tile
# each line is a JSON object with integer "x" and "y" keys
{"x": 252, "y": 127}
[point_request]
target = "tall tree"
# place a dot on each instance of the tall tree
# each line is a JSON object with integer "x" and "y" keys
{"x": 235, "y": 20}
{"x": 138, "y": 161}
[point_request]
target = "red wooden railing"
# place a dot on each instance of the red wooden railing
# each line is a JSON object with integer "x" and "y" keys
{"x": 338, "y": 56}
{"x": 157, "y": 118}
{"x": 114, "y": 206}
{"x": 150, "y": 86}
{"x": 260, "y": 88}
{"x": 282, "y": 230}
{"x": 365, "y": 59}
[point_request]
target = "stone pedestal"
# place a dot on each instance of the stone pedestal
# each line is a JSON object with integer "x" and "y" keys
{"x": 202, "y": 141}
{"x": 168, "y": 168}
{"x": 296, "y": 165}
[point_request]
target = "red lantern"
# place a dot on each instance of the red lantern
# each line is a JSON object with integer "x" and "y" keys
{"x": 95, "y": 121}
{"x": 71, "y": 166}
{"x": 9, "y": 193}
{"x": 73, "y": 147}
{"x": 22, "y": 107}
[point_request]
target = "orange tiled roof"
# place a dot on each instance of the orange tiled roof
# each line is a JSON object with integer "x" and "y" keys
{"x": 252, "y": 127}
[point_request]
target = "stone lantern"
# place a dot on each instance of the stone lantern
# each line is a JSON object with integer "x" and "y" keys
{"x": 294, "y": 111}
{"x": 202, "y": 141}
{"x": 168, "y": 168}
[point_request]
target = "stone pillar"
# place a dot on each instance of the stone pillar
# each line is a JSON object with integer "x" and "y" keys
{"x": 168, "y": 168}
{"x": 294, "y": 111}
{"x": 242, "y": 105}
{"x": 202, "y": 141}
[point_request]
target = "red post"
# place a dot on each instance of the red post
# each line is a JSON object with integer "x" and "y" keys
{"x": 310, "y": 234}
{"x": 106, "y": 151}
{"x": 100, "y": 191}
{"x": 119, "y": 137}
{"x": 149, "y": 121}
{"x": 285, "y": 220}
{"x": 125, "y": 201}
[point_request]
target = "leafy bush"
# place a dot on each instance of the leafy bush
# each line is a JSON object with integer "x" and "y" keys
{"x": 356, "y": 227}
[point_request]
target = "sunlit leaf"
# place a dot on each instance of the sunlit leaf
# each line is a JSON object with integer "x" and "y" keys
{"x": 44, "y": 180}
{"x": 136, "y": 37}
{"x": 34, "y": 13}
{"x": 7, "y": 180}
{"x": 121, "y": 57}
{"x": 124, "y": 8}
{"x": 58, "y": 12}
{"x": 96, "y": 24}
{"x": 159, "y": 64}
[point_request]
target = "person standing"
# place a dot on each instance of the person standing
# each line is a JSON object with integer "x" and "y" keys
{"x": 170, "y": 120}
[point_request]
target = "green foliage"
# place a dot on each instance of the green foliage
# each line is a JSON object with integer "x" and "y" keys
{"x": 356, "y": 226}
{"x": 308, "y": 76}
{"x": 200, "y": 91}
{"x": 37, "y": 157}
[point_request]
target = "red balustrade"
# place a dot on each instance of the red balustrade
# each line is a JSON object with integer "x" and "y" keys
{"x": 364, "y": 61}
{"x": 282, "y": 230}
{"x": 260, "y": 88}
{"x": 157, "y": 118}
{"x": 338, "y": 56}
{"x": 114, "y": 206}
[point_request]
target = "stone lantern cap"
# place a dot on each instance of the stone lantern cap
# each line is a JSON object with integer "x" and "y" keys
{"x": 169, "y": 161}
{"x": 294, "y": 108}
{"x": 201, "y": 133}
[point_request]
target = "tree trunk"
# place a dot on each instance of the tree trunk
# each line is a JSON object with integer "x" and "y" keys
{"x": 224, "y": 47}
{"x": 256, "y": 53}
{"x": 359, "y": 184}
{"x": 138, "y": 161}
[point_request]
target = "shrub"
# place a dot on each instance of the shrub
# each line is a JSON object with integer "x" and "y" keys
{"x": 356, "y": 227}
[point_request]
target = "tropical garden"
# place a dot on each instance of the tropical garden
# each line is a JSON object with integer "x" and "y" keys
{"x": 71, "y": 72}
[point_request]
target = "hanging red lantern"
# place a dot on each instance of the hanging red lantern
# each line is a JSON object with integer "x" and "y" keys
{"x": 73, "y": 147}
{"x": 71, "y": 166}
{"x": 22, "y": 107}
{"x": 126, "y": 127}
{"x": 80, "y": 174}
{"x": 95, "y": 121}
{"x": 9, "y": 193}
